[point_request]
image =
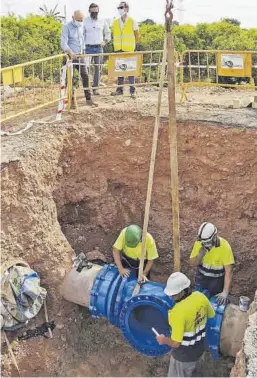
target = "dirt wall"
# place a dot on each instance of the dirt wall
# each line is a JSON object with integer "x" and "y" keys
{"x": 102, "y": 181}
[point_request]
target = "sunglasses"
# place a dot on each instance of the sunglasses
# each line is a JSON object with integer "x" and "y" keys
{"x": 122, "y": 7}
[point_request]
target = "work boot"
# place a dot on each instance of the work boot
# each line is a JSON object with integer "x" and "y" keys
{"x": 90, "y": 102}
{"x": 117, "y": 93}
{"x": 95, "y": 92}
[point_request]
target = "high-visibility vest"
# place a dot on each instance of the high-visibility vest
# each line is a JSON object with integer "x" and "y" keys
{"x": 124, "y": 39}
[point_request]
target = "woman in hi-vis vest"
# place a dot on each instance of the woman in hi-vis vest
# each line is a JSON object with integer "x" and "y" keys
{"x": 125, "y": 36}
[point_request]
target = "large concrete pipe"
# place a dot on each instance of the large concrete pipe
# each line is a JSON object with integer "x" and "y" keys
{"x": 108, "y": 295}
{"x": 77, "y": 286}
{"x": 233, "y": 329}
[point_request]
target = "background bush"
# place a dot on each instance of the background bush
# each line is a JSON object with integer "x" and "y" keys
{"x": 35, "y": 37}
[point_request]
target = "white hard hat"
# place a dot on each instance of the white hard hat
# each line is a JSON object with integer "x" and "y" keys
{"x": 176, "y": 283}
{"x": 206, "y": 232}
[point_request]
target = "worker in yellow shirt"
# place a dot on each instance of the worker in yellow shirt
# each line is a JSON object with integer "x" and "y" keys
{"x": 187, "y": 320}
{"x": 127, "y": 251}
{"x": 213, "y": 257}
{"x": 125, "y": 36}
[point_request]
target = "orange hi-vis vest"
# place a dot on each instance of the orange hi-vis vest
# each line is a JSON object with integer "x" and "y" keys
{"x": 124, "y": 39}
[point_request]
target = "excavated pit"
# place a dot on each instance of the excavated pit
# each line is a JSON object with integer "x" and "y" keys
{"x": 102, "y": 181}
{"x": 92, "y": 177}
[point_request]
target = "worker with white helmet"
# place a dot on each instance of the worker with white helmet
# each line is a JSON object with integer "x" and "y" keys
{"x": 214, "y": 259}
{"x": 187, "y": 320}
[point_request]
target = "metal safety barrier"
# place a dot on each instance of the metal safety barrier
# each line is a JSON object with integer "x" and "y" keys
{"x": 143, "y": 66}
{"x": 217, "y": 68}
{"x": 30, "y": 86}
{"x": 38, "y": 84}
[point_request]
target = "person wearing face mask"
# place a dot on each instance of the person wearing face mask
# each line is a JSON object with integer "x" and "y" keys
{"x": 96, "y": 34}
{"x": 187, "y": 319}
{"x": 125, "y": 36}
{"x": 72, "y": 43}
{"x": 213, "y": 257}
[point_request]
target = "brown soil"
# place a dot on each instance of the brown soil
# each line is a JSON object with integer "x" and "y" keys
{"x": 102, "y": 184}
{"x": 91, "y": 172}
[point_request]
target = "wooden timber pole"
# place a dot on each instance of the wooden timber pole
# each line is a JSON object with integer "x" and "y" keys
{"x": 173, "y": 135}
{"x": 151, "y": 169}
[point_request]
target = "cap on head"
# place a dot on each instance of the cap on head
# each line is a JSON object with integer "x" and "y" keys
{"x": 177, "y": 282}
{"x": 133, "y": 236}
{"x": 206, "y": 232}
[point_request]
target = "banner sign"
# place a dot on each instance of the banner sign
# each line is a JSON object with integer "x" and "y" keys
{"x": 125, "y": 65}
{"x": 234, "y": 64}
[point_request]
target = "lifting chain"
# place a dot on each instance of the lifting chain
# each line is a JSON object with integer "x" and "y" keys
{"x": 168, "y": 15}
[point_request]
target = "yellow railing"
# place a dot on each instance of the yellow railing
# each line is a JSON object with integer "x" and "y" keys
{"x": 147, "y": 70}
{"x": 34, "y": 85}
{"x": 224, "y": 68}
{"x": 30, "y": 86}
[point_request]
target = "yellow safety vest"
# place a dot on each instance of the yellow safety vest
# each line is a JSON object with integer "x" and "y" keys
{"x": 124, "y": 39}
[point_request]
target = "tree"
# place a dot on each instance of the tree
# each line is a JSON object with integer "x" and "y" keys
{"x": 148, "y": 21}
{"x": 232, "y": 21}
{"x": 51, "y": 13}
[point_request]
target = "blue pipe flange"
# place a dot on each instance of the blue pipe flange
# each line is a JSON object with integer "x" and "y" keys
{"x": 119, "y": 301}
{"x": 94, "y": 293}
{"x": 138, "y": 316}
{"x": 112, "y": 297}
{"x": 100, "y": 290}
{"x": 214, "y": 328}
{"x": 124, "y": 294}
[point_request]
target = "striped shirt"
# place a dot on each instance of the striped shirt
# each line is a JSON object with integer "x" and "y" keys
{"x": 214, "y": 261}
{"x": 188, "y": 319}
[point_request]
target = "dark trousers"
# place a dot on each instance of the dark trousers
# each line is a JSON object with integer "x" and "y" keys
{"x": 131, "y": 81}
{"x": 84, "y": 76}
{"x": 213, "y": 285}
{"x": 121, "y": 80}
{"x": 83, "y": 73}
{"x": 133, "y": 265}
{"x": 97, "y": 61}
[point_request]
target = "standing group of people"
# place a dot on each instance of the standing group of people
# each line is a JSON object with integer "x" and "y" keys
{"x": 89, "y": 36}
{"x": 213, "y": 258}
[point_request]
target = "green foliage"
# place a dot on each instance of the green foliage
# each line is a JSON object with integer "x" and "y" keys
{"x": 31, "y": 38}
{"x": 151, "y": 37}
{"x": 226, "y": 34}
{"x": 35, "y": 37}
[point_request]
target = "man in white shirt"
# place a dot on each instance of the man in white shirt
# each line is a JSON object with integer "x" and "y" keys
{"x": 125, "y": 36}
{"x": 96, "y": 34}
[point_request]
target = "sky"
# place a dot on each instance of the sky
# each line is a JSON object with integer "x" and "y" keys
{"x": 186, "y": 11}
